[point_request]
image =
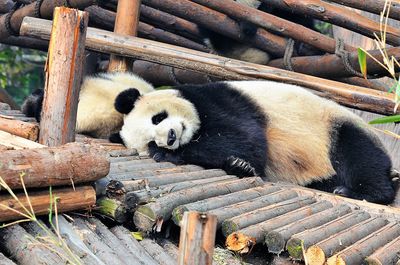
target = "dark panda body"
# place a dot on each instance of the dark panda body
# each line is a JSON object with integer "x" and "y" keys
{"x": 278, "y": 131}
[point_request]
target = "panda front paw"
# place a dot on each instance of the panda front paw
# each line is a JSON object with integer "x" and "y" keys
{"x": 342, "y": 191}
{"x": 239, "y": 167}
{"x": 163, "y": 155}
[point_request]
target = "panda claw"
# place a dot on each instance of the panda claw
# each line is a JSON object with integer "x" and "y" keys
{"x": 239, "y": 167}
{"x": 158, "y": 157}
{"x": 342, "y": 191}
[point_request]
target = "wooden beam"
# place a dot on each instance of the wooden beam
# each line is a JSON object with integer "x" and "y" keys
{"x": 25, "y": 130}
{"x": 63, "y": 76}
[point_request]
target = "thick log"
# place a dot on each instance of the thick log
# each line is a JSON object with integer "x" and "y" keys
{"x": 54, "y": 166}
{"x": 270, "y": 22}
{"x": 124, "y": 235}
{"x": 288, "y": 208}
{"x": 324, "y": 249}
{"x": 67, "y": 200}
{"x": 373, "y": 6}
{"x": 112, "y": 208}
{"x": 300, "y": 242}
{"x": 5, "y": 261}
{"x": 26, "y": 42}
{"x": 197, "y": 239}
{"x": 95, "y": 244}
{"x": 255, "y": 233}
{"x": 236, "y": 209}
{"x": 148, "y": 215}
{"x": 337, "y": 15}
{"x": 126, "y": 23}
{"x": 4, "y": 106}
{"x": 220, "y": 23}
{"x": 222, "y": 200}
{"x": 388, "y": 254}
{"x": 356, "y": 253}
{"x": 128, "y": 167}
{"x": 6, "y": 6}
{"x": 15, "y": 142}
{"x": 135, "y": 198}
{"x": 25, "y": 249}
{"x": 276, "y": 239}
{"x": 123, "y": 153}
{"x": 157, "y": 252}
{"x": 63, "y": 76}
{"x": 26, "y": 130}
{"x": 353, "y": 96}
{"x": 368, "y": 83}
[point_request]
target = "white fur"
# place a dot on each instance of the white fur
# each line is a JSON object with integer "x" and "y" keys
{"x": 96, "y": 113}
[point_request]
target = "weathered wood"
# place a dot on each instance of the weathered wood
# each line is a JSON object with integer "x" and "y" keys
{"x": 197, "y": 239}
{"x": 112, "y": 208}
{"x": 222, "y": 200}
{"x": 6, "y": 6}
{"x": 4, "y": 106}
{"x": 63, "y": 76}
{"x": 287, "y": 208}
{"x": 337, "y": 242}
{"x": 388, "y": 254}
{"x": 236, "y": 209}
{"x": 126, "y": 23}
{"x": 276, "y": 239}
{"x": 373, "y": 6}
{"x": 26, "y": 42}
{"x": 16, "y": 142}
{"x": 23, "y": 247}
{"x": 18, "y": 118}
{"x": 123, "y": 153}
{"x": 124, "y": 235}
{"x": 6, "y": 98}
{"x": 55, "y": 166}
{"x": 353, "y": 96}
{"x": 304, "y": 240}
{"x": 95, "y": 244}
{"x": 356, "y": 253}
{"x": 26, "y": 130}
{"x": 5, "y": 261}
{"x": 83, "y": 197}
{"x": 157, "y": 252}
{"x": 129, "y": 167}
{"x": 148, "y": 215}
{"x": 133, "y": 199}
{"x": 170, "y": 248}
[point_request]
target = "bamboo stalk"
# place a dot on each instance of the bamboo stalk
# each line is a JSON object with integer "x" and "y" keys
{"x": 300, "y": 242}
{"x": 353, "y": 96}
{"x": 276, "y": 239}
{"x": 26, "y": 130}
{"x": 148, "y": 215}
{"x": 222, "y": 200}
{"x": 196, "y": 243}
{"x": 387, "y": 254}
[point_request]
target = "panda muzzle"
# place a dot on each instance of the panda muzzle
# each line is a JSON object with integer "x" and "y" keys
{"x": 171, "y": 137}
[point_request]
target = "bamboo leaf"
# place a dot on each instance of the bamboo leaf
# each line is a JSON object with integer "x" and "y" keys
{"x": 137, "y": 235}
{"x": 388, "y": 119}
{"x": 362, "y": 60}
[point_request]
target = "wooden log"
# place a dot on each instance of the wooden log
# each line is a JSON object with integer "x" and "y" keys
{"x": 112, "y": 208}
{"x": 6, "y": 6}
{"x": 169, "y": 247}
{"x": 25, "y": 250}
{"x": 124, "y": 235}
{"x": 123, "y": 153}
{"x": 326, "y": 248}
{"x": 236, "y": 209}
{"x": 126, "y": 23}
{"x": 63, "y": 76}
{"x": 373, "y": 6}
{"x": 147, "y": 215}
{"x": 197, "y": 239}
{"x": 82, "y": 197}
{"x": 26, "y": 42}
{"x": 271, "y": 23}
{"x": 95, "y": 244}
{"x": 5, "y": 261}
{"x": 288, "y": 208}
{"x": 6, "y": 98}
{"x": 337, "y": 15}
{"x": 26, "y": 130}
{"x": 18, "y": 118}
{"x": 303, "y": 240}
{"x": 129, "y": 167}
{"x": 388, "y": 254}
{"x": 16, "y": 142}
{"x": 368, "y": 83}
{"x": 157, "y": 252}
{"x": 348, "y": 95}
{"x": 276, "y": 239}
{"x": 222, "y": 200}
{"x": 75, "y": 243}
{"x": 4, "y": 106}
{"x": 55, "y": 166}
{"x": 356, "y": 253}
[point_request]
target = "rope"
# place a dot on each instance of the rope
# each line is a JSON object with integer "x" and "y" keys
{"x": 38, "y": 4}
{"x": 287, "y": 57}
{"x": 9, "y": 29}
{"x": 172, "y": 75}
{"x": 342, "y": 53}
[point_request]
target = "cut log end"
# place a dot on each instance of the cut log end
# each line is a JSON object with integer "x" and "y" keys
{"x": 240, "y": 243}
{"x": 229, "y": 227}
{"x": 112, "y": 208}
{"x": 295, "y": 249}
{"x": 275, "y": 242}
{"x": 315, "y": 255}
{"x": 145, "y": 218}
{"x": 335, "y": 260}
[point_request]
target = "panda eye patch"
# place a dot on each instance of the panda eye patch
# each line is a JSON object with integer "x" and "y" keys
{"x": 156, "y": 119}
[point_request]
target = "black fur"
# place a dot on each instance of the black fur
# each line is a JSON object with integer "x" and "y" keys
{"x": 231, "y": 125}
{"x": 115, "y": 138}
{"x": 126, "y": 99}
{"x": 362, "y": 168}
{"x": 32, "y": 106}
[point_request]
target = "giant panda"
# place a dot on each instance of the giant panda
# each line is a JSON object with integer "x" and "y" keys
{"x": 96, "y": 115}
{"x": 279, "y": 131}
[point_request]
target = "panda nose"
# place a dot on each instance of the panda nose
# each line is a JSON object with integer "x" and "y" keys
{"x": 171, "y": 137}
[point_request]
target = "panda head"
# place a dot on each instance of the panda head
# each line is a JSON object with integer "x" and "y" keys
{"x": 161, "y": 116}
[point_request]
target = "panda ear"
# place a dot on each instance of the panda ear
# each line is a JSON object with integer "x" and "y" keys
{"x": 125, "y": 101}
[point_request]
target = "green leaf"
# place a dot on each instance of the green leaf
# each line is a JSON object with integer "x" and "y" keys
{"x": 137, "y": 235}
{"x": 388, "y": 119}
{"x": 362, "y": 60}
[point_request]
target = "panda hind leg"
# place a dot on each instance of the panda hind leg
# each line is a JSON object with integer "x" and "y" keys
{"x": 363, "y": 168}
